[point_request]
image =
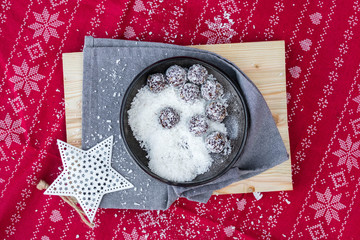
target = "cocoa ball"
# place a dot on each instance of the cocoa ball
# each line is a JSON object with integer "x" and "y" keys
{"x": 168, "y": 117}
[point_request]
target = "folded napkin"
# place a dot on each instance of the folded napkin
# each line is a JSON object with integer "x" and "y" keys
{"x": 109, "y": 67}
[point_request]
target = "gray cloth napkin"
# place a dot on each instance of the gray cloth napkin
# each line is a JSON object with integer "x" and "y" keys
{"x": 109, "y": 67}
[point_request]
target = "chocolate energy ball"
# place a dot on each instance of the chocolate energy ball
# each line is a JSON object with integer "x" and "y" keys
{"x": 189, "y": 92}
{"x": 216, "y": 142}
{"x": 156, "y": 82}
{"x": 168, "y": 117}
{"x": 197, "y": 74}
{"x": 216, "y": 111}
{"x": 211, "y": 90}
{"x": 176, "y": 75}
{"x": 198, "y": 125}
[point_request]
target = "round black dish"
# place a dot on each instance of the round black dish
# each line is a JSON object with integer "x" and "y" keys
{"x": 236, "y": 122}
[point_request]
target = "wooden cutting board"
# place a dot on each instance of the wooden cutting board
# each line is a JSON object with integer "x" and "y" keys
{"x": 262, "y": 62}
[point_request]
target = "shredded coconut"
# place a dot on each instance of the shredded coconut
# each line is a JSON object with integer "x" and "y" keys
{"x": 175, "y": 154}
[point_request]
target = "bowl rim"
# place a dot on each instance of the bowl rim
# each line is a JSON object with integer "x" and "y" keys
{"x": 146, "y": 169}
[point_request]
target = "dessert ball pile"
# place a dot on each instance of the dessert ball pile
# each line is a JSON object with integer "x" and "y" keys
{"x": 192, "y": 85}
{"x": 178, "y": 119}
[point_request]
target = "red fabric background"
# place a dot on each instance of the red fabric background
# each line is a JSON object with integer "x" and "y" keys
{"x": 322, "y": 62}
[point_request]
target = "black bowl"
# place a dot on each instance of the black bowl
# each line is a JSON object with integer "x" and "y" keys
{"x": 236, "y": 122}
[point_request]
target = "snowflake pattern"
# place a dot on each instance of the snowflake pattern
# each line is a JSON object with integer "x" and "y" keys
{"x": 357, "y": 100}
{"x": 10, "y": 130}
{"x": 339, "y": 61}
{"x": 279, "y": 7}
{"x": 20, "y": 206}
{"x": 269, "y": 32}
{"x": 348, "y": 153}
{"x": 274, "y": 20}
{"x": 219, "y": 32}
{"x": 295, "y": 168}
{"x": 311, "y": 130}
{"x": 333, "y": 76}
{"x": 133, "y": 236}
{"x": 353, "y": 21}
{"x": 46, "y": 25}
{"x": 323, "y": 102}
{"x": 306, "y": 142}
{"x": 317, "y": 116}
{"x": 300, "y": 156}
{"x": 328, "y": 205}
{"x": 26, "y": 78}
{"x": 343, "y": 48}
{"x": 348, "y": 34}
{"x": 328, "y": 90}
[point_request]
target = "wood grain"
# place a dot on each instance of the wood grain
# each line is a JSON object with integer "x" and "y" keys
{"x": 262, "y": 62}
{"x": 73, "y": 78}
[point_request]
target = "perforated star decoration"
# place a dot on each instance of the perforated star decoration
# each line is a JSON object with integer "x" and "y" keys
{"x": 87, "y": 175}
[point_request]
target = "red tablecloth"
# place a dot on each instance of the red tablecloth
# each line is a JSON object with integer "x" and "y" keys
{"x": 322, "y": 62}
